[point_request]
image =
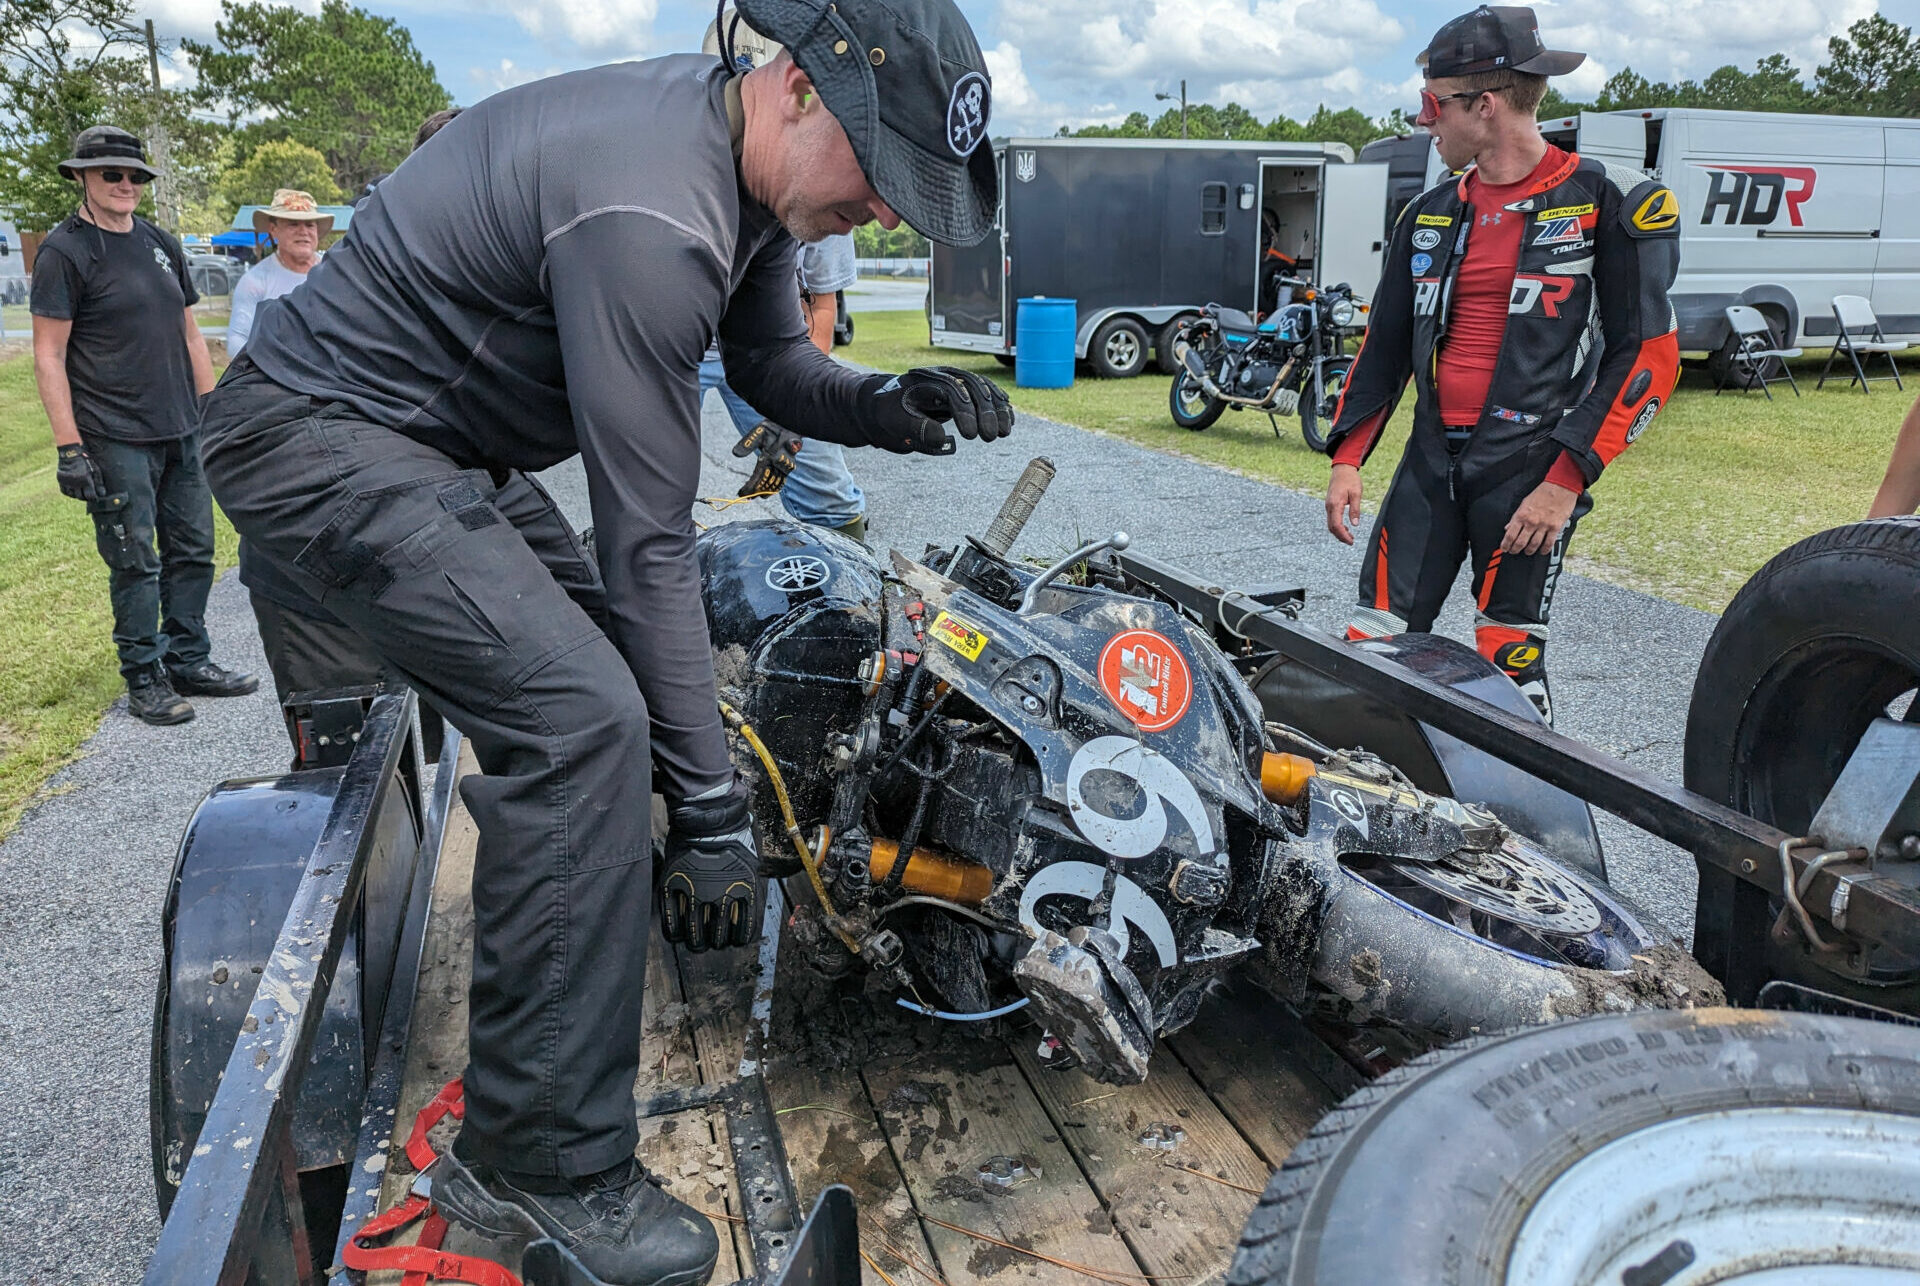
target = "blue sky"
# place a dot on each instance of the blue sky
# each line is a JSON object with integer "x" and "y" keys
{"x": 1059, "y": 63}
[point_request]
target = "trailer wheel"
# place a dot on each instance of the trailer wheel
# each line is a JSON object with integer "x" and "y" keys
{"x": 1163, "y": 359}
{"x": 1119, "y": 349}
{"x": 1628, "y": 1148}
{"x": 1814, "y": 648}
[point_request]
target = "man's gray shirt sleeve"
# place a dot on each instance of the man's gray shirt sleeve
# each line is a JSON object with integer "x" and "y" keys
{"x": 632, "y": 380}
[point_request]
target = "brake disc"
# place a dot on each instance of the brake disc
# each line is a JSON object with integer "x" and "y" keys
{"x": 1510, "y": 884}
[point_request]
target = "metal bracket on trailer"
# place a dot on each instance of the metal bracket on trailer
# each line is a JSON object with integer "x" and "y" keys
{"x": 1883, "y": 907}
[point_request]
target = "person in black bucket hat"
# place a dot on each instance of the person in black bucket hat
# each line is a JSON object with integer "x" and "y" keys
{"x": 540, "y": 282}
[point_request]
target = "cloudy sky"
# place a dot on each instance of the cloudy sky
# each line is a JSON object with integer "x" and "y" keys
{"x": 1057, "y": 63}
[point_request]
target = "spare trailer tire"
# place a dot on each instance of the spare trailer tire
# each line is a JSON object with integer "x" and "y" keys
{"x": 1817, "y": 645}
{"x": 1653, "y": 1148}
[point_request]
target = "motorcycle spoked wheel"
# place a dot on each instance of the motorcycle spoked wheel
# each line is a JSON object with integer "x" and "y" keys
{"x": 1317, "y": 418}
{"x": 1189, "y": 404}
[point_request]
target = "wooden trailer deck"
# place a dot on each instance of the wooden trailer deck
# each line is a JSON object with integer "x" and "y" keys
{"x": 969, "y": 1158}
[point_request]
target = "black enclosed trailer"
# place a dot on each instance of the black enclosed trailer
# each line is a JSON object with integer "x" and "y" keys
{"x": 1144, "y": 232}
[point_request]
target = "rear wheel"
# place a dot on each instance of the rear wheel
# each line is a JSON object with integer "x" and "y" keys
{"x": 1816, "y": 646}
{"x": 1190, "y": 405}
{"x": 1119, "y": 349}
{"x": 1730, "y": 364}
{"x": 1644, "y": 1148}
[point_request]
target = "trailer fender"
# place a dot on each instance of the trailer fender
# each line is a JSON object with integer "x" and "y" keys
{"x": 1151, "y": 317}
{"x": 234, "y": 876}
{"x": 1344, "y": 718}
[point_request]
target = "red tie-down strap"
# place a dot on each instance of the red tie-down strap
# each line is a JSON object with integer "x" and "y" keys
{"x": 423, "y": 1261}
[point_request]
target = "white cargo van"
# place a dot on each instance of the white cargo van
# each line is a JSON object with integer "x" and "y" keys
{"x": 1779, "y": 210}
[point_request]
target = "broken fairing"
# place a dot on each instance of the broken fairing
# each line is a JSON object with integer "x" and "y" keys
{"x": 1081, "y": 809}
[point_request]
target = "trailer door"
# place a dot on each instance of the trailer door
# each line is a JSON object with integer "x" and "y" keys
{"x": 1621, "y": 139}
{"x": 1896, "y": 269}
{"x": 1351, "y": 198}
{"x": 968, "y": 290}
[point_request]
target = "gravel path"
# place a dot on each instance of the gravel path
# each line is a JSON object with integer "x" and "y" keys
{"x": 82, "y": 879}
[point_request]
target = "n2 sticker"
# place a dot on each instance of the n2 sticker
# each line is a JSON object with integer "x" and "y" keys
{"x": 958, "y": 635}
{"x": 1144, "y": 674}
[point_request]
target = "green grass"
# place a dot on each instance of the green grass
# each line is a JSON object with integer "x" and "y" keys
{"x": 1714, "y": 489}
{"x": 19, "y": 322}
{"x": 57, "y": 669}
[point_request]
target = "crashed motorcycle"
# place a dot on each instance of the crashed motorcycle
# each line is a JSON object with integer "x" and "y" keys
{"x": 1291, "y": 363}
{"x": 1010, "y": 788}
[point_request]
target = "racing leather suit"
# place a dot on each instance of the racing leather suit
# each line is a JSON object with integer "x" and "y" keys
{"x": 1590, "y": 354}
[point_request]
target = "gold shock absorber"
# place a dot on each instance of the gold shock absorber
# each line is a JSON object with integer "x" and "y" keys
{"x": 1284, "y": 778}
{"x": 934, "y": 874}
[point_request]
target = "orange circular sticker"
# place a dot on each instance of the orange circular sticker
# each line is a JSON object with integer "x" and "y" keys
{"x": 1144, "y": 674}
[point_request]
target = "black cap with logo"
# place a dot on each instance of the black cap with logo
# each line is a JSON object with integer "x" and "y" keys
{"x": 907, "y": 81}
{"x": 1494, "y": 38}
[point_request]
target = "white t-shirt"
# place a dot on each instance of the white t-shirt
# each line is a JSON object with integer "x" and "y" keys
{"x": 268, "y": 279}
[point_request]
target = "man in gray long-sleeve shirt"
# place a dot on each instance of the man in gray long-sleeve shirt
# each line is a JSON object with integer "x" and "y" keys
{"x": 542, "y": 282}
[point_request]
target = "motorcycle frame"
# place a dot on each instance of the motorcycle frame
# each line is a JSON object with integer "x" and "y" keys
{"x": 1881, "y": 905}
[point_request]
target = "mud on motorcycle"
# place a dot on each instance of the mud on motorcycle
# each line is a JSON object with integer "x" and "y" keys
{"x": 1052, "y": 790}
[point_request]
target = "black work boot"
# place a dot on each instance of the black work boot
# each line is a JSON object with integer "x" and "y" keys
{"x": 619, "y": 1224}
{"x": 205, "y": 679}
{"x": 151, "y": 699}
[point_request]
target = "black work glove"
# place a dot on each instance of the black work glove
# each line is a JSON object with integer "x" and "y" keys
{"x": 711, "y": 888}
{"x": 904, "y": 412}
{"x": 78, "y": 476}
{"x": 777, "y": 450}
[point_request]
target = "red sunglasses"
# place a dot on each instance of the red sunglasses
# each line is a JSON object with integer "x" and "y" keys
{"x": 1430, "y": 103}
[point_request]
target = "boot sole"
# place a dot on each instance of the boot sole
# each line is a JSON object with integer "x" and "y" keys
{"x": 195, "y": 690}
{"x": 162, "y": 720}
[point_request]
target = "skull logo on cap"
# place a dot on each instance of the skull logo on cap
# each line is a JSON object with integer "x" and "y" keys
{"x": 967, "y": 114}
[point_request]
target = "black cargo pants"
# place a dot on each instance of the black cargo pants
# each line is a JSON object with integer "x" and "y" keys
{"x": 475, "y": 611}
{"x": 154, "y": 530}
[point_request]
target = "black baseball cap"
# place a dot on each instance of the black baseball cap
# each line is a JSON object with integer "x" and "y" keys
{"x": 907, "y": 81}
{"x": 105, "y": 147}
{"x": 1494, "y": 38}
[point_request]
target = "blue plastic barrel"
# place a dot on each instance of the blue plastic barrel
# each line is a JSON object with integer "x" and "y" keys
{"x": 1043, "y": 338}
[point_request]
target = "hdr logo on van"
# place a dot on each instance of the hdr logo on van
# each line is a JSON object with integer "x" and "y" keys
{"x": 1754, "y": 195}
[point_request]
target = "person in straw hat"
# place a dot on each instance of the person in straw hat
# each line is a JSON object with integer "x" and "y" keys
{"x": 120, "y": 364}
{"x": 296, "y": 226}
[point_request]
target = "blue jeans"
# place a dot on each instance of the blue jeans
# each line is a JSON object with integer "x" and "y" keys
{"x": 820, "y": 490}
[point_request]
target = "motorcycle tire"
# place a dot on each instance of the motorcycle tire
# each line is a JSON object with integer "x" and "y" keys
{"x": 1195, "y": 410}
{"x": 1316, "y": 414}
{"x": 1644, "y": 1148}
{"x": 1811, "y": 650}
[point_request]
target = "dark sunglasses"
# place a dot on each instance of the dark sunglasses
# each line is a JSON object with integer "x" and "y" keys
{"x": 139, "y": 178}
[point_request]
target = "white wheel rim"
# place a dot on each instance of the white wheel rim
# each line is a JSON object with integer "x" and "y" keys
{"x": 1123, "y": 350}
{"x": 1780, "y": 1196}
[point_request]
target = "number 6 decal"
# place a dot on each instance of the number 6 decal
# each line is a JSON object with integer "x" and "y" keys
{"x": 1156, "y": 775}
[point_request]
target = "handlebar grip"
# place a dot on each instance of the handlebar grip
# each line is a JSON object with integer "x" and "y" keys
{"x": 1019, "y": 506}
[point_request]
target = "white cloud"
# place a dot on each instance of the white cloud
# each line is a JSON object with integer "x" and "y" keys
{"x": 1688, "y": 39}
{"x": 1268, "y": 55}
{"x": 506, "y": 75}
{"x": 607, "y": 28}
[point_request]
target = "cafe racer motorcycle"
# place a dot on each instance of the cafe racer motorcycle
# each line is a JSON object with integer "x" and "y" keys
{"x": 1011, "y": 788}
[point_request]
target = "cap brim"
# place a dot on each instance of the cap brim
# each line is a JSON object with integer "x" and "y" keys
{"x": 1551, "y": 62}
{"x": 946, "y": 199}
{"x": 67, "y": 167}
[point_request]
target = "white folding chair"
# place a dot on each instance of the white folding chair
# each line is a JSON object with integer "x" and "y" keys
{"x": 1860, "y": 333}
{"x": 1754, "y": 350}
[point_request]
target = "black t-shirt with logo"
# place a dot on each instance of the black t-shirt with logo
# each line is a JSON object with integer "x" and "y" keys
{"x": 126, "y": 294}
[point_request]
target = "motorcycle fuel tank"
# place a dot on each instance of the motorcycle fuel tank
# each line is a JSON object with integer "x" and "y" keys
{"x": 792, "y": 611}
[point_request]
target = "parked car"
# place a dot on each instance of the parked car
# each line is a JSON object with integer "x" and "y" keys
{"x": 214, "y": 274}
